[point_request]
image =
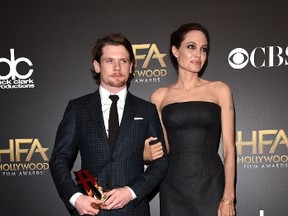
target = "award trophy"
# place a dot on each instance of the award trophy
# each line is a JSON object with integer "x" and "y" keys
{"x": 90, "y": 185}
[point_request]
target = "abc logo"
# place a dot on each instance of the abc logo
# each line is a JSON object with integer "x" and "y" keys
{"x": 13, "y": 73}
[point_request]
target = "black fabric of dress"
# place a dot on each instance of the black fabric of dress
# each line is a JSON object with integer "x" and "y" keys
{"x": 194, "y": 183}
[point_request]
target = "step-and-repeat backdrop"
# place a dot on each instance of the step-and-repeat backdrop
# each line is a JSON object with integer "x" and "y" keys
{"x": 45, "y": 60}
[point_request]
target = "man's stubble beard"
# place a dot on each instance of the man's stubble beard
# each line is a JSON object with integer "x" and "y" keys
{"x": 117, "y": 83}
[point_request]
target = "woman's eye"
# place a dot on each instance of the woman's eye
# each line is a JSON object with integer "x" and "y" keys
{"x": 191, "y": 46}
{"x": 205, "y": 49}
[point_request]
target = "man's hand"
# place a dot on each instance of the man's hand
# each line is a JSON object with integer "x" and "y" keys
{"x": 118, "y": 198}
{"x": 152, "y": 151}
{"x": 87, "y": 205}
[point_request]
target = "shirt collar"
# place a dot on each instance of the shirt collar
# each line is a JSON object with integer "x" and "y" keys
{"x": 104, "y": 95}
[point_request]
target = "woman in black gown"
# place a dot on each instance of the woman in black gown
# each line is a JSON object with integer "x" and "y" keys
{"x": 195, "y": 113}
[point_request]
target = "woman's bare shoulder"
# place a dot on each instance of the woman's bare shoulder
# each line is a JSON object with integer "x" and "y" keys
{"x": 222, "y": 92}
{"x": 219, "y": 86}
{"x": 159, "y": 94}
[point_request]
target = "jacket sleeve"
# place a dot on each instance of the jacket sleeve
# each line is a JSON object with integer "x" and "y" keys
{"x": 157, "y": 169}
{"x": 64, "y": 155}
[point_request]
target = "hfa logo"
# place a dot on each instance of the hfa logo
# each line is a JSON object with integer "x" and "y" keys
{"x": 13, "y": 79}
{"x": 153, "y": 68}
{"x": 264, "y": 149}
{"x": 34, "y": 160}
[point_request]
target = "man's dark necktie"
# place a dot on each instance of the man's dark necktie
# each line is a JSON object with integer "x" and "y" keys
{"x": 113, "y": 126}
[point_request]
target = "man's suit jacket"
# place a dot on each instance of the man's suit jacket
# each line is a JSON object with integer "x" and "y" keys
{"x": 82, "y": 129}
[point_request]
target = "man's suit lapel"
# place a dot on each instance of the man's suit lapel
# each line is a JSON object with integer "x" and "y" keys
{"x": 95, "y": 110}
{"x": 127, "y": 119}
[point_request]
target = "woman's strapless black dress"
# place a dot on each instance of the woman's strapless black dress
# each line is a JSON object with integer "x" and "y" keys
{"x": 194, "y": 183}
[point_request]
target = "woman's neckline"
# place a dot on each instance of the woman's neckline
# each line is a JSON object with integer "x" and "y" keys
{"x": 181, "y": 102}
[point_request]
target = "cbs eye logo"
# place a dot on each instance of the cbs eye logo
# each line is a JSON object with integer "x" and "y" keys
{"x": 238, "y": 58}
{"x": 13, "y": 73}
{"x": 267, "y": 56}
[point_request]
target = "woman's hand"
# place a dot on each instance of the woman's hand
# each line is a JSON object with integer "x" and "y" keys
{"x": 226, "y": 208}
{"x": 152, "y": 151}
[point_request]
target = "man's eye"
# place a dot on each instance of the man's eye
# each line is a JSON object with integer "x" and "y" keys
{"x": 109, "y": 60}
{"x": 124, "y": 60}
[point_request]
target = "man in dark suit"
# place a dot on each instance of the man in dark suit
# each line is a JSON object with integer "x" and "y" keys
{"x": 119, "y": 168}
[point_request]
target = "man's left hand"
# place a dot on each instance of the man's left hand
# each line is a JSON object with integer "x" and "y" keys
{"x": 118, "y": 198}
